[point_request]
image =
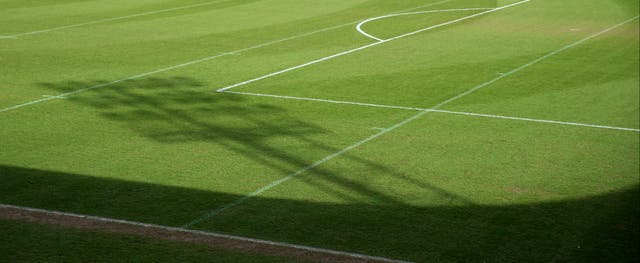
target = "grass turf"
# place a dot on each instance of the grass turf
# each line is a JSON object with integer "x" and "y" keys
{"x": 166, "y": 149}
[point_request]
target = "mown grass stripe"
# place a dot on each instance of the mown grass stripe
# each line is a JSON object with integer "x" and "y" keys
{"x": 398, "y": 125}
{"x": 29, "y": 103}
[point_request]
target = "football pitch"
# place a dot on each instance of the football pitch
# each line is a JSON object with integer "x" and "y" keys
{"x": 375, "y": 130}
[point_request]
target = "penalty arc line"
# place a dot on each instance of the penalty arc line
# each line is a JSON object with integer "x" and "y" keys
{"x": 398, "y": 125}
{"x": 273, "y": 184}
{"x": 359, "y": 26}
{"x": 202, "y": 60}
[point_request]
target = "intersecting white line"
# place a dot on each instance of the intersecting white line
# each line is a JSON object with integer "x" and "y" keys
{"x": 368, "y": 46}
{"x": 330, "y": 157}
{"x": 202, "y": 60}
{"x": 422, "y": 112}
{"x": 501, "y": 76}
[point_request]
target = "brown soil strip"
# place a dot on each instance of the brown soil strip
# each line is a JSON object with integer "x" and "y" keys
{"x": 231, "y": 243}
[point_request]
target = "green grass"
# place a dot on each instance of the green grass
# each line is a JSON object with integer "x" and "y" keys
{"x": 166, "y": 148}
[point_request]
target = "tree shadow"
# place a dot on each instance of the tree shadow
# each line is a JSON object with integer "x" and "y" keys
{"x": 601, "y": 228}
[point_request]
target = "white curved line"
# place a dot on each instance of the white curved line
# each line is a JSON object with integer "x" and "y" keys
{"x": 359, "y": 26}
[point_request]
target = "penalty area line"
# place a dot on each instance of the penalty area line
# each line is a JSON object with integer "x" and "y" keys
{"x": 483, "y": 85}
{"x": 437, "y": 111}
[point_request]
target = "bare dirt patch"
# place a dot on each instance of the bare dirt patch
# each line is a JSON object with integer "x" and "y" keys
{"x": 231, "y": 243}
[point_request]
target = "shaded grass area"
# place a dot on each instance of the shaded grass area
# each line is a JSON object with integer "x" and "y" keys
{"x": 28, "y": 242}
{"x": 177, "y": 111}
{"x": 463, "y": 165}
{"x": 602, "y": 228}
{"x": 176, "y": 134}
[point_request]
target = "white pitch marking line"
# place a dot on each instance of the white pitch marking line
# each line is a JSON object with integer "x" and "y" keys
{"x": 298, "y": 66}
{"x": 202, "y": 233}
{"x": 328, "y": 101}
{"x": 202, "y": 60}
{"x": 538, "y": 120}
{"x": 367, "y": 46}
{"x": 329, "y": 157}
{"x": 437, "y": 111}
{"x": 118, "y": 18}
{"x": 54, "y": 96}
{"x": 8, "y": 37}
{"x": 230, "y": 53}
{"x": 501, "y": 76}
{"x": 359, "y": 26}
